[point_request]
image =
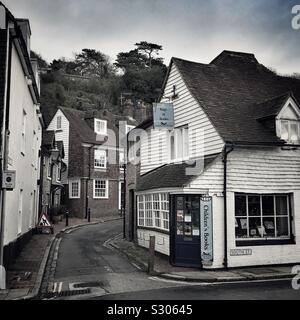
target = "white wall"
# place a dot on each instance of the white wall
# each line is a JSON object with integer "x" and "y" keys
{"x": 62, "y": 135}
{"x": 27, "y": 165}
{"x": 268, "y": 170}
{"x": 161, "y": 240}
{"x": 264, "y": 255}
{"x": 186, "y": 111}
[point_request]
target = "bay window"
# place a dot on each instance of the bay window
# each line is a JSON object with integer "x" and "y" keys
{"x": 153, "y": 210}
{"x": 262, "y": 217}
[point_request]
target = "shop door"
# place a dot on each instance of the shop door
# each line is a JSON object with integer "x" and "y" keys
{"x": 186, "y": 219}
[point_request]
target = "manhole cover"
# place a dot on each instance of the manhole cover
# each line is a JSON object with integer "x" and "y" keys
{"x": 91, "y": 284}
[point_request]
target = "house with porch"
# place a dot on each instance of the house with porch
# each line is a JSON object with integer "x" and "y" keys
{"x": 222, "y": 188}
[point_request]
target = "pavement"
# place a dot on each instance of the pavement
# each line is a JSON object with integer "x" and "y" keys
{"x": 24, "y": 277}
{"x": 163, "y": 269}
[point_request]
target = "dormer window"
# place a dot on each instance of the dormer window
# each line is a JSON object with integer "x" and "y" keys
{"x": 288, "y": 122}
{"x": 100, "y": 126}
{"x": 290, "y": 131}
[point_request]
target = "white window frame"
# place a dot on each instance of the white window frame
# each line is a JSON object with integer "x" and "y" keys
{"x": 290, "y": 122}
{"x": 58, "y": 122}
{"x": 147, "y": 211}
{"x": 71, "y": 182}
{"x": 48, "y": 168}
{"x": 100, "y": 122}
{"x": 102, "y": 158}
{"x": 106, "y": 196}
{"x": 181, "y": 144}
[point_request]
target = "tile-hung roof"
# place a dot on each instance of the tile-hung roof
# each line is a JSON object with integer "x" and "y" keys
{"x": 170, "y": 176}
{"x": 77, "y": 121}
{"x": 231, "y": 90}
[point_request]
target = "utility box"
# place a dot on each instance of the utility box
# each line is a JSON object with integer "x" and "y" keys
{"x": 9, "y": 180}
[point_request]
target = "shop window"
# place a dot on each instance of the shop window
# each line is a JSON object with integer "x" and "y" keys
{"x": 153, "y": 210}
{"x": 262, "y": 217}
{"x": 141, "y": 211}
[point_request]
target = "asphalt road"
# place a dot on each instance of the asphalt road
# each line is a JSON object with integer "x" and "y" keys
{"x": 83, "y": 259}
{"x": 84, "y": 262}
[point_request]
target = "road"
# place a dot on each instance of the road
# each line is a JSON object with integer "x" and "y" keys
{"x": 83, "y": 262}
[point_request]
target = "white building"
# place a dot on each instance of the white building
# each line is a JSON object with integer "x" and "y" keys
{"x": 21, "y": 123}
{"x": 240, "y": 205}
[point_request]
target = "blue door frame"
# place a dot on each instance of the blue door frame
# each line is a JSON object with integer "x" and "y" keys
{"x": 185, "y": 249}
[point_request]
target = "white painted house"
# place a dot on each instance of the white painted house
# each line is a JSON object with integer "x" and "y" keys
{"x": 21, "y": 133}
{"x": 239, "y": 203}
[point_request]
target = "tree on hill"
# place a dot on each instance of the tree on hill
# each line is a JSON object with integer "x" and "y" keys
{"x": 149, "y": 49}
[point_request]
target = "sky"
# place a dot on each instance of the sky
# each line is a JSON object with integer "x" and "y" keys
{"x": 196, "y": 30}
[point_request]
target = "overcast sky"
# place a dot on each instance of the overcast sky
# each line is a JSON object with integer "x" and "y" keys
{"x": 196, "y": 30}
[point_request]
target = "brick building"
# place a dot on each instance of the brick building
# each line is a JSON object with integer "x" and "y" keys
{"x": 94, "y": 174}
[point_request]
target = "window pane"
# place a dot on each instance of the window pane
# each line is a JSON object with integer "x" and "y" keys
{"x": 186, "y": 142}
{"x": 269, "y": 227}
{"x": 285, "y": 130}
{"x": 294, "y": 131}
{"x": 268, "y": 205}
{"x": 179, "y": 143}
{"x": 172, "y": 146}
{"x": 241, "y": 228}
{"x": 240, "y": 206}
{"x": 282, "y": 227}
{"x": 281, "y": 206}
{"x": 255, "y": 228}
{"x": 254, "y": 205}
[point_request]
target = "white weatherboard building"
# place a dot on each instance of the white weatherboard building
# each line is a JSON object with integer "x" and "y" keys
{"x": 240, "y": 204}
{"x": 21, "y": 134}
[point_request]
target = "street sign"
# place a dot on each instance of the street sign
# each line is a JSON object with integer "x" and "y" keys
{"x": 163, "y": 115}
{"x": 8, "y": 180}
{"x": 206, "y": 223}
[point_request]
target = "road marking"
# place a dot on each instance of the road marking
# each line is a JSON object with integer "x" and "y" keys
{"x": 54, "y": 286}
{"x": 60, "y": 287}
{"x": 108, "y": 269}
{"x": 57, "y": 287}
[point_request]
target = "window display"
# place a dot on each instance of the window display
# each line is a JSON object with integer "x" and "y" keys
{"x": 262, "y": 216}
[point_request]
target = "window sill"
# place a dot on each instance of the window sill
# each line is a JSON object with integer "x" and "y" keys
{"x": 268, "y": 242}
{"x": 100, "y": 169}
{"x": 72, "y": 198}
{"x": 154, "y": 229}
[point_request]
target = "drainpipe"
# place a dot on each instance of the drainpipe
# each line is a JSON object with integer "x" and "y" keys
{"x": 124, "y": 187}
{"x": 225, "y": 154}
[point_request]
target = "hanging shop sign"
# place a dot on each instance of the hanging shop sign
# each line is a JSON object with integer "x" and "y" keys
{"x": 163, "y": 116}
{"x": 206, "y": 222}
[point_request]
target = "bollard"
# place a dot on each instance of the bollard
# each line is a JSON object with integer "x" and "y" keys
{"x": 89, "y": 215}
{"x": 67, "y": 218}
{"x": 151, "y": 255}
